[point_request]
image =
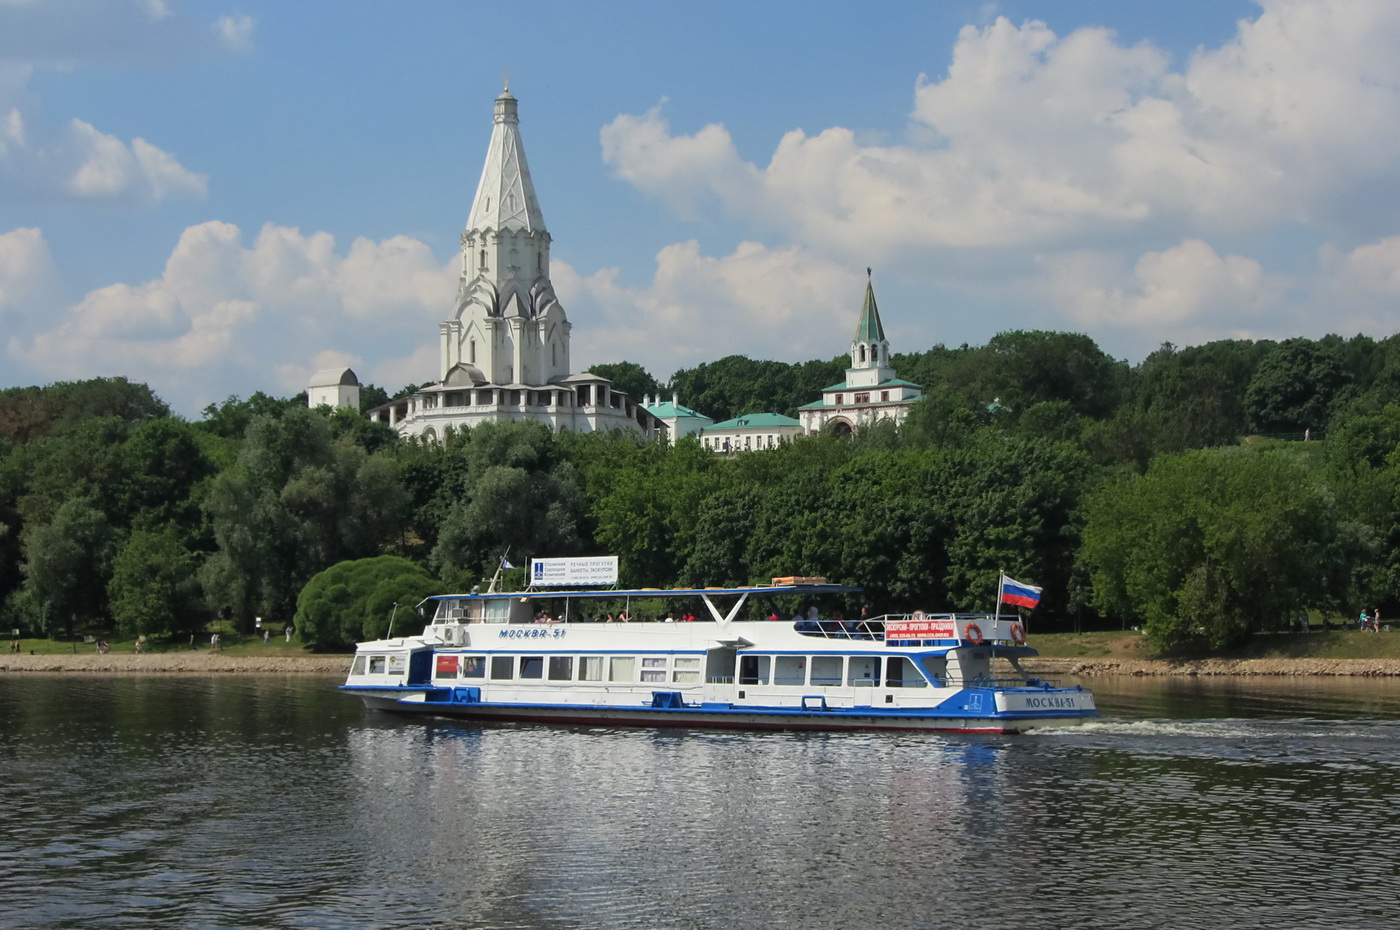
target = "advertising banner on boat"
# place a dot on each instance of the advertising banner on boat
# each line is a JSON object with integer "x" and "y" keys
{"x": 919, "y": 627}
{"x": 583, "y": 572}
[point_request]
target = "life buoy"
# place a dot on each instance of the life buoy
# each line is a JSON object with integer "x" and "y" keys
{"x": 918, "y": 615}
{"x": 1018, "y": 635}
{"x": 972, "y": 633}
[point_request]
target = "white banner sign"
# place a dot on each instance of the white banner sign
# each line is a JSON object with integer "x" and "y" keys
{"x": 585, "y": 572}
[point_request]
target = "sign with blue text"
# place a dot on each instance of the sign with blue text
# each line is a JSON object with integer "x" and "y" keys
{"x": 581, "y": 572}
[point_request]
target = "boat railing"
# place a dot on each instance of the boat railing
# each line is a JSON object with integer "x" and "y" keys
{"x": 842, "y": 629}
{"x": 986, "y": 681}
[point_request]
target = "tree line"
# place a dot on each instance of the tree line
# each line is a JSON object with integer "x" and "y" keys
{"x": 1207, "y": 493}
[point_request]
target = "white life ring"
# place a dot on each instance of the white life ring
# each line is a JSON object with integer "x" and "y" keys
{"x": 972, "y": 633}
{"x": 1018, "y": 635}
{"x": 917, "y": 615}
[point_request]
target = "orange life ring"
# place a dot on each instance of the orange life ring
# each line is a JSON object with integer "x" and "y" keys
{"x": 1018, "y": 635}
{"x": 972, "y": 633}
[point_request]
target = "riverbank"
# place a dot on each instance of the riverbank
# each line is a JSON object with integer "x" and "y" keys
{"x": 208, "y": 662}
{"x": 1276, "y": 667}
{"x": 203, "y": 661}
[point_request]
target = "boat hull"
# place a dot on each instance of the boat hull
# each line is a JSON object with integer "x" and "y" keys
{"x": 717, "y": 715}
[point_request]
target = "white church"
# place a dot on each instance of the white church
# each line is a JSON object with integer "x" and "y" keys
{"x": 871, "y": 393}
{"x": 505, "y": 347}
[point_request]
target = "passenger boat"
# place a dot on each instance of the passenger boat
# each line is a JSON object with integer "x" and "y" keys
{"x": 494, "y": 657}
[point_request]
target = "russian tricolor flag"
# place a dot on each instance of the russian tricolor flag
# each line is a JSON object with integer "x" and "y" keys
{"x": 1022, "y": 595}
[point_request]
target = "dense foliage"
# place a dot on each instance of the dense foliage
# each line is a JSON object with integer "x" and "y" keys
{"x": 1205, "y": 494}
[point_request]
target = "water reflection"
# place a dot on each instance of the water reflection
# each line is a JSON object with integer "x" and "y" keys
{"x": 270, "y": 802}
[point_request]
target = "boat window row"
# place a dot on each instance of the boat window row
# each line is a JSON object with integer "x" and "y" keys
{"x": 665, "y": 669}
{"x": 816, "y": 671}
{"x": 390, "y": 664}
{"x": 824, "y": 671}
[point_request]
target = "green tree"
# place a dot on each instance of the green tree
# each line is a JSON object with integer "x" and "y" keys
{"x": 355, "y": 600}
{"x": 67, "y": 563}
{"x": 155, "y": 585}
{"x": 1209, "y": 547}
{"x": 1294, "y": 387}
{"x": 297, "y": 501}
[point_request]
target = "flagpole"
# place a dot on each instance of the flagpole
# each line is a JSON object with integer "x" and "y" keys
{"x": 491, "y": 588}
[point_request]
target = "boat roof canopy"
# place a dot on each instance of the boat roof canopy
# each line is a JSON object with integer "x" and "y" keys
{"x": 651, "y": 592}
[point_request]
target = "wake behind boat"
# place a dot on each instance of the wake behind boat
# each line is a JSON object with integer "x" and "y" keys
{"x": 495, "y": 657}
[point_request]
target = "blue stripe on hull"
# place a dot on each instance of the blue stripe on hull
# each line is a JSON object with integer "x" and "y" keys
{"x": 941, "y": 718}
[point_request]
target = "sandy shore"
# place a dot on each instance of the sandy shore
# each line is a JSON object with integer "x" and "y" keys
{"x": 199, "y": 661}
{"x": 1087, "y": 668}
{"x": 204, "y": 661}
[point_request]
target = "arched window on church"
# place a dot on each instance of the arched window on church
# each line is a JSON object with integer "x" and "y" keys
{"x": 472, "y": 358}
{"x": 862, "y": 353}
{"x": 483, "y": 259}
{"x": 554, "y": 353}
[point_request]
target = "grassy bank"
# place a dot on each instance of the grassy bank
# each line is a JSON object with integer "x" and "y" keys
{"x": 1337, "y": 644}
{"x": 230, "y": 644}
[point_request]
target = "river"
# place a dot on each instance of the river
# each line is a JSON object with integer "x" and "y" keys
{"x": 274, "y": 801}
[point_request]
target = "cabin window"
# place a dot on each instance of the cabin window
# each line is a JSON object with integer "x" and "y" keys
{"x": 376, "y": 665}
{"x": 653, "y": 669}
{"x": 826, "y": 671}
{"x": 473, "y": 666}
{"x": 447, "y": 666}
{"x": 863, "y": 670}
{"x": 790, "y": 670}
{"x": 623, "y": 668}
{"x": 686, "y": 670}
{"x": 590, "y": 668}
{"x": 398, "y": 665}
{"x": 561, "y": 668}
{"x": 532, "y": 666}
{"x": 359, "y": 667}
{"x": 900, "y": 672}
{"x": 502, "y": 668}
{"x": 753, "y": 670}
{"x": 937, "y": 668}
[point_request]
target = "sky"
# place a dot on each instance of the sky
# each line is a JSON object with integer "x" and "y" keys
{"x": 218, "y": 198}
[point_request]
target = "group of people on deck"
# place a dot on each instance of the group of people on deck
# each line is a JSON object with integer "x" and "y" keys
{"x": 620, "y": 617}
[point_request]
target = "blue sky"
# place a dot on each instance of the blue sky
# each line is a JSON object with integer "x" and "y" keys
{"x": 219, "y": 198}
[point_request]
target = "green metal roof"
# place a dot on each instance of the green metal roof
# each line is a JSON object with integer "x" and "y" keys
{"x": 869, "y": 328}
{"x": 755, "y": 421}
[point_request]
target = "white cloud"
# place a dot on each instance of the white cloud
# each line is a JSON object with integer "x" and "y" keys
{"x": 1048, "y": 141}
{"x": 73, "y": 160}
{"x": 30, "y": 287}
{"x": 235, "y": 32}
{"x": 228, "y": 318}
{"x": 1189, "y": 284}
{"x": 760, "y": 302}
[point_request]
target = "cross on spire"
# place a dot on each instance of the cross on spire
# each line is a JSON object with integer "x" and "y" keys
{"x": 505, "y": 79}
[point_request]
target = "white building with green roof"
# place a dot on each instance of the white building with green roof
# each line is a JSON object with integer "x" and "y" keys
{"x": 680, "y": 421}
{"x": 749, "y": 432}
{"x": 871, "y": 393}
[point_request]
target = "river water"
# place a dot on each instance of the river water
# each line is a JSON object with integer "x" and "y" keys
{"x": 274, "y": 801}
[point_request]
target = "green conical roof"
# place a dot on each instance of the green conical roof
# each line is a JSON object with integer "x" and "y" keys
{"x": 869, "y": 328}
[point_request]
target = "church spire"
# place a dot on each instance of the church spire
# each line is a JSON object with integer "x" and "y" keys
{"x": 870, "y": 351}
{"x": 505, "y": 196}
{"x": 868, "y": 329}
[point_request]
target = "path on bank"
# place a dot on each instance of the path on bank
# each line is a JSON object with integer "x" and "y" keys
{"x": 198, "y": 661}
{"x": 1088, "y": 668}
